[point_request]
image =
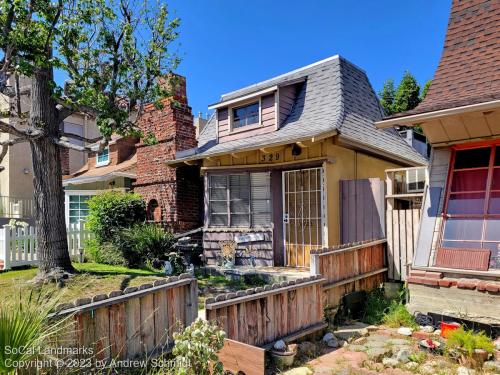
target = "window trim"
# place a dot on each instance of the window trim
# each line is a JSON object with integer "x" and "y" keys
{"x": 102, "y": 163}
{"x": 228, "y": 200}
{"x": 68, "y": 193}
{"x": 230, "y": 109}
{"x": 487, "y": 192}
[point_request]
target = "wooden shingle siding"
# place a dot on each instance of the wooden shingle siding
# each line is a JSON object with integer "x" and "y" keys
{"x": 262, "y": 250}
{"x": 287, "y": 97}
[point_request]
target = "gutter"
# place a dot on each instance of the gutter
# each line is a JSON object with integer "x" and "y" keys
{"x": 414, "y": 119}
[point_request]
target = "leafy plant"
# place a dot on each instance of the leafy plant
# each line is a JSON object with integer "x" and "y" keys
{"x": 197, "y": 346}
{"x": 177, "y": 263}
{"x": 146, "y": 242}
{"x": 111, "y": 212}
{"x": 376, "y": 306}
{"x": 468, "y": 341}
{"x": 104, "y": 253}
{"x": 398, "y": 316}
{"x": 23, "y": 329}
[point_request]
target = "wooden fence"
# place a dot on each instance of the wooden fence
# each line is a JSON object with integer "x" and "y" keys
{"x": 402, "y": 231}
{"x": 18, "y": 244}
{"x": 362, "y": 210}
{"x": 134, "y": 323}
{"x": 405, "y": 191}
{"x": 348, "y": 268}
{"x": 260, "y": 316}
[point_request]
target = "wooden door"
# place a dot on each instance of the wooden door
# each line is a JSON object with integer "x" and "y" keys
{"x": 302, "y": 214}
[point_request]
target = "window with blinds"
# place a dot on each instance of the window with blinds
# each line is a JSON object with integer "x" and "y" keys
{"x": 240, "y": 200}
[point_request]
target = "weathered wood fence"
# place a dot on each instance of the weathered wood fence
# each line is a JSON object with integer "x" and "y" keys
{"x": 405, "y": 191}
{"x": 260, "y": 316}
{"x": 133, "y": 323}
{"x": 348, "y": 268}
{"x": 362, "y": 210}
{"x": 18, "y": 244}
{"x": 402, "y": 232}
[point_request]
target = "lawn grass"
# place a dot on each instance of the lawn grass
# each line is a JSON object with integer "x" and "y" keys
{"x": 93, "y": 279}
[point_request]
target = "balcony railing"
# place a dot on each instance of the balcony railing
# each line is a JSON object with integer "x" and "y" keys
{"x": 16, "y": 208}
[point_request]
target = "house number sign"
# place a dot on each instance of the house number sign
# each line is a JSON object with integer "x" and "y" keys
{"x": 271, "y": 157}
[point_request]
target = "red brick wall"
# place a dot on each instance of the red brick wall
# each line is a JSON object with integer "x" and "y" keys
{"x": 64, "y": 155}
{"x": 177, "y": 191}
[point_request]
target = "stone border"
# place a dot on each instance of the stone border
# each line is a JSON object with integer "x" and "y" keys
{"x": 225, "y": 299}
{"x": 117, "y": 296}
{"x": 347, "y": 247}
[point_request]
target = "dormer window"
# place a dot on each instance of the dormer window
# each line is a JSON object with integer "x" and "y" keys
{"x": 246, "y": 115}
{"x": 102, "y": 157}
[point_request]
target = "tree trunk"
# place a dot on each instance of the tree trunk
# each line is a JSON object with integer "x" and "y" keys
{"x": 52, "y": 242}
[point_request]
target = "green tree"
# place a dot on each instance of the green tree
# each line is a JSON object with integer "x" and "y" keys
{"x": 387, "y": 96}
{"x": 112, "y": 51}
{"x": 407, "y": 94}
{"x": 425, "y": 90}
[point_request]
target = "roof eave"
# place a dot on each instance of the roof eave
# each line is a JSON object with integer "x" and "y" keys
{"x": 189, "y": 160}
{"x": 412, "y": 120}
{"x": 378, "y": 151}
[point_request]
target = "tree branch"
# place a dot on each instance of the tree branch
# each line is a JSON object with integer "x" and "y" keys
{"x": 5, "y": 147}
{"x": 26, "y": 134}
{"x": 80, "y": 138}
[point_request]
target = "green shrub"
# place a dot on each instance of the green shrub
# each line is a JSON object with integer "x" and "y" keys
{"x": 112, "y": 211}
{"x": 398, "y": 316}
{"x": 145, "y": 243}
{"x": 468, "y": 341}
{"x": 104, "y": 253}
{"x": 376, "y": 306}
{"x": 198, "y": 345}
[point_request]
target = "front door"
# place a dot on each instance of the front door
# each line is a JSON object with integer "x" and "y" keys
{"x": 302, "y": 214}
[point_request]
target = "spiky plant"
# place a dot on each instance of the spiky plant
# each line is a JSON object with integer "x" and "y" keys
{"x": 23, "y": 329}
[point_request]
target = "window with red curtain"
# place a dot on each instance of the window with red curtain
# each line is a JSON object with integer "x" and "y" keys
{"x": 472, "y": 208}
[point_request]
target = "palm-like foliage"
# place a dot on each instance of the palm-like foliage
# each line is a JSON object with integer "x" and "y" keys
{"x": 23, "y": 330}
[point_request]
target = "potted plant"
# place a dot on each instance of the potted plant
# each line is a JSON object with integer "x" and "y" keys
{"x": 468, "y": 347}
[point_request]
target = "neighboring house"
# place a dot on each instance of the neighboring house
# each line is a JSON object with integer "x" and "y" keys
{"x": 111, "y": 169}
{"x": 273, "y": 155}
{"x": 16, "y": 180}
{"x": 456, "y": 267}
{"x": 171, "y": 194}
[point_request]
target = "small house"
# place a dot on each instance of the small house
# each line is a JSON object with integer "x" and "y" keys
{"x": 273, "y": 156}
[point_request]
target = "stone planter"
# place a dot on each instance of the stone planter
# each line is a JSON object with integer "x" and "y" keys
{"x": 283, "y": 359}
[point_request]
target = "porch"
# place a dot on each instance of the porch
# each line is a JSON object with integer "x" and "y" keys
{"x": 16, "y": 208}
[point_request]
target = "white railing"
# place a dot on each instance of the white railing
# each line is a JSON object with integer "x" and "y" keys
{"x": 17, "y": 208}
{"x": 18, "y": 244}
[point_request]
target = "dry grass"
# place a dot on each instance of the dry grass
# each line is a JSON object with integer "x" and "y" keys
{"x": 93, "y": 279}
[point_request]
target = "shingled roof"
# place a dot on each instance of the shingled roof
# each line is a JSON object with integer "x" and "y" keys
{"x": 336, "y": 97}
{"x": 469, "y": 69}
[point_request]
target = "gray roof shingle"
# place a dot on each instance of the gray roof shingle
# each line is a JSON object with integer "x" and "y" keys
{"x": 336, "y": 96}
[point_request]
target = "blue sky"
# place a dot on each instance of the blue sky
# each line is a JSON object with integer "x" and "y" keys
{"x": 228, "y": 44}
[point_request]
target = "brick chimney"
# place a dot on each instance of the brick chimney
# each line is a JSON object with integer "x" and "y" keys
{"x": 172, "y": 195}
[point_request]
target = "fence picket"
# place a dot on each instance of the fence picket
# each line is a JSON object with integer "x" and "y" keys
{"x": 18, "y": 244}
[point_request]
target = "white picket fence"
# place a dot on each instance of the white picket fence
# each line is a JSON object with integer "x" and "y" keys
{"x": 18, "y": 244}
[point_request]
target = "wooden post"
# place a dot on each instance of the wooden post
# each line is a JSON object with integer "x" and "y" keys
{"x": 192, "y": 303}
{"x": 5, "y": 250}
{"x": 314, "y": 265}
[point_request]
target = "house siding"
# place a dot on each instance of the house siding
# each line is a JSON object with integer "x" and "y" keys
{"x": 267, "y": 121}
